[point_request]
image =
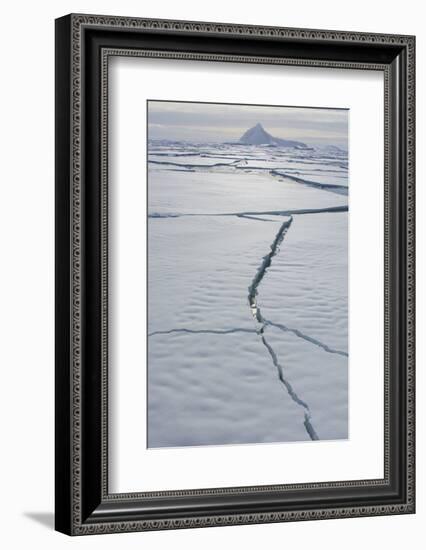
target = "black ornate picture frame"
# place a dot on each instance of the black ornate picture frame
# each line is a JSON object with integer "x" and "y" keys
{"x": 84, "y": 43}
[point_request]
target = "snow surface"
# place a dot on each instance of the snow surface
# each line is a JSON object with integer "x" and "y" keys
{"x": 216, "y": 374}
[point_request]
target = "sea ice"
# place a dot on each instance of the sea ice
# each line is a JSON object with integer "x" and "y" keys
{"x": 216, "y": 374}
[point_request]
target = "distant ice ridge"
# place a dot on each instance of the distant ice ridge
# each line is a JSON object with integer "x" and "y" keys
{"x": 259, "y": 136}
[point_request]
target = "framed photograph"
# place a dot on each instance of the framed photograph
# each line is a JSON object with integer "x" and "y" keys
{"x": 234, "y": 274}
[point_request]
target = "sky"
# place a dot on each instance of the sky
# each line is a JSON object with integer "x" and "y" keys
{"x": 215, "y": 122}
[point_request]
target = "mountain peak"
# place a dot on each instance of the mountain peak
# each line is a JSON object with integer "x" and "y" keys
{"x": 257, "y": 135}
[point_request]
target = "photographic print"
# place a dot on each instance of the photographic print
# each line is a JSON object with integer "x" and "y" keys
{"x": 247, "y": 274}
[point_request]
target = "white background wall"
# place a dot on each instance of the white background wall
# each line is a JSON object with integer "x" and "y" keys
{"x": 26, "y": 289}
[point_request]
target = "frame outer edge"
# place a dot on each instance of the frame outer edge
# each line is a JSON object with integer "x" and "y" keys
{"x": 77, "y": 22}
{"x": 76, "y": 270}
{"x": 63, "y": 495}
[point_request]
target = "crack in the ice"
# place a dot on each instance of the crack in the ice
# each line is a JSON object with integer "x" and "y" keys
{"x": 241, "y": 164}
{"x": 194, "y": 166}
{"x": 284, "y": 328}
{"x": 306, "y": 337}
{"x": 262, "y": 322}
{"x": 307, "y": 414}
{"x": 327, "y": 209}
{"x": 332, "y": 187}
{"x": 247, "y": 217}
{"x": 265, "y": 264}
{"x": 201, "y": 331}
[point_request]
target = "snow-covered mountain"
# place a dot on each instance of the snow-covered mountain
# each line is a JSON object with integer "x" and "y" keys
{"x": 259, "y": 136}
